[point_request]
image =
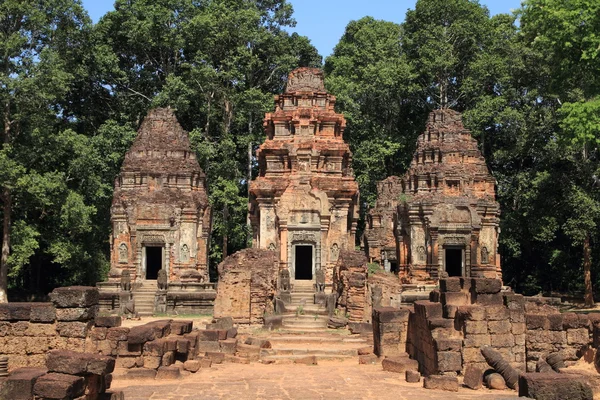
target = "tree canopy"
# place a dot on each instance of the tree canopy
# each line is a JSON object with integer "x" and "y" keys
{"x": 72, "y": 94}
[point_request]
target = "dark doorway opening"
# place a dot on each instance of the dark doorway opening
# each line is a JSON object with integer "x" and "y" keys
{"x": 153, "y": 261}
{"x": 304, "y": 261}
{"x": 454, "y": 262}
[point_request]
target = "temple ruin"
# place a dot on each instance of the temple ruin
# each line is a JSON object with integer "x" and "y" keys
{"x": 444, "y": 212}
{"x": 160, "y": 213}
{"x": 304, "y": 203}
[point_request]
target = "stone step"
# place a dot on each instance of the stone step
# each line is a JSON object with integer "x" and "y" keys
{"x": 327, "y": 338}
{"x": 304, "y": 317}
{"x": 307, "y": 352}
{"x": 303, "y": 326}
{"x": 290, "y": 358}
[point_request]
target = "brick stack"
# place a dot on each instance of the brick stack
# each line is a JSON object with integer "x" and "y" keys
{"x": 390, "y": 329}
{"x": 69, "y": 375}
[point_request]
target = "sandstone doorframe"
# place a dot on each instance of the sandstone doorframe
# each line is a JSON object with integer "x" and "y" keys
{"x": 304, "y": 238}
{"x": 152, "y": 240}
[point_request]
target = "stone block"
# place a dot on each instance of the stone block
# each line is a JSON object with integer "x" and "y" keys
{"x": 518, "y": 328}
{"x": 499, "y": 327}
{"x": 477, "y": 340}
{"x": 75, "y": 296}
{"x": 40, "y": 329}
{"x": 181, "y": 327}
{"x": 555, "y": 322}
{"x": 19, "y": 384}
{"x": 448, "y": 344}
{"x": 449, "y": 311}
{"x": 215, "y": 357}
{"x": 475, "y": 327}
{"x": 205, "y": 362}
{"x": 390, "y": 314}
{"x": 444, "y": 323}
{"x": 486, "y": 286}
{"x": 272, "y": 322}
{"x": 168, "y": 359}
{"x": 108, "y": 322}
{"x": 473, "y": 355}
{"x": 98, "y": 333}
{"x": 465, "y": 284}
{"x": 155, "y": 347}
{"x": 76, "y": 314}
{"x": 514, "y": 301}
{"x": 412, "y": 376}
{"x": 516, "y": 316}
{"x": 141, "y": 334}
{"x": 42, "y": 312}
{"x": 232, "y": 333}
{"x": 152, "y": 362}
{"x": 537, "y": 321}
{"x": 203, "y": 346}
{"x": 70, "y": 362}
{"x": 440, "y": 382}
{"x": 455, "y": 298}
{"x": 183, "y": 346}
{"x": 471, "y": 313}
{"x": 73, "y": 329}
{"x": 208, "y": 335}
{"x": 487, "y": 299}
{"x": 550, "y": 386}
{"x": 15, "y": 311}
{"x": 191, "y": 365}
{"x": 428, "y": 309}
{"x": 59, "y": 386}
{"x": 308, "y": 360}
{"x": 399, "y": 364}
{"x": 365, "y": 359}
{"x": 578, "y": 336}
{"x": 117, "y": 334}
{"x": 495, "y": 381}
{"x": 473, "y": 377}
{"x": 449, "y": 361}
{"x": 450, "y": 285}
{"x": 505, "y": 340}
{"x": 228, "y": 346}
{"x": 434, "y": 296}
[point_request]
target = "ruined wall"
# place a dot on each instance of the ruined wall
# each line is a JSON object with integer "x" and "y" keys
{"x": 29, "y": 330}
{"x": 350, "y": 284}
{"x": 247, "y": 285}
{"x": 390, "y": 330}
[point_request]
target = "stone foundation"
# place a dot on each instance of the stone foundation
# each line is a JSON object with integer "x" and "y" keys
{"x": 350, "y": 285}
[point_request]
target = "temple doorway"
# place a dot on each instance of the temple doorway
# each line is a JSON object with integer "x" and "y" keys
{"x": 303, "y": 263}
{"x": 154, "y": 258}
{"x": 454, "y": 261}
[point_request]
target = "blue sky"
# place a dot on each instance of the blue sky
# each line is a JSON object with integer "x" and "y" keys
{"x": 324, "y": 21}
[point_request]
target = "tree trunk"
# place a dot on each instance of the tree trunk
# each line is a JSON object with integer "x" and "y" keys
{"x": 225, "y": 227}
{"x": 587, "y": 274}
{"x": 248, "y": 223}
{"x": 6, "y": 210}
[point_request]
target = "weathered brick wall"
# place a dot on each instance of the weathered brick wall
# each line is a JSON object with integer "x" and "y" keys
{"x": 567, "y": 333}
{"x": 247, "y": 285}
{"x": 350, "y": 283}
{"x": 29, "y": 330}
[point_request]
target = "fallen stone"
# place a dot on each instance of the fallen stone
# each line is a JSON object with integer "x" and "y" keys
{"x": 232, "y": 333}
{"x": 75, "y": 296}
{"x": 365, "y": 359}
{"x": 171, "y": 372}
{"x": 543, "y": 367}
{"x": 556, "y": 361}
{"x": 19, "y": 384}
{"x": 495, "y": 381}
{"x": 473, "y": 378}
{"x": 221, "y": 323}
{"x": 412, "y": 376}
{"x": 112, "y": 395}
{"x": 440, "y": 382}
{"x": 215, "y": 357}
{"x": 73, "y": 363}
{"x": 59, "y": 386}
{"x": 262, "y": 343}
{"x": 365, "y": 350}
{"x": 228, "y": 346}
{"x": 272, "y": 322}
{"x": 181, "y": 327}
{"x": 554, "y": 386}
{"x": 310, "y": 360}
{"x": 108, "y": 322}
{"x": 205, "y": 362}
{"x": 399, "y": 364}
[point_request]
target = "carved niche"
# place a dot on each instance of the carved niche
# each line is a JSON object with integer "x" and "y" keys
{"x": 306, "y": 81}
{"x": 485, "y": 255}
{"x": 335, "y": 252}
{"x": 123, "y": 253}
{"x": 185, "y": 253}
{"x": 421, "y": 253}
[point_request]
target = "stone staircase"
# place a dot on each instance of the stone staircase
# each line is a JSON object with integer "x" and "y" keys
{"x": 332, "y": 345}
{"x": 303, "y": 315}
{"x": 143, "y": 296}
